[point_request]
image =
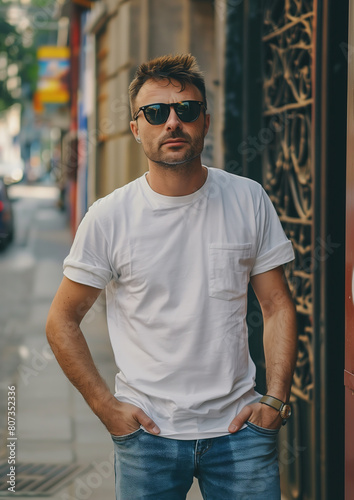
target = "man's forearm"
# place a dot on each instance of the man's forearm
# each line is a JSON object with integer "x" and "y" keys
{"x": 280, "y": 349}
{"x": 73, "y": 355}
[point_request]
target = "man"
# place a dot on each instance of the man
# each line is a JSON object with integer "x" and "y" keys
{"x": 175, "y": 250}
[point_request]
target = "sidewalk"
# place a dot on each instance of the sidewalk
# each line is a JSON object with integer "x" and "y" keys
{"x": 54, "y": 424}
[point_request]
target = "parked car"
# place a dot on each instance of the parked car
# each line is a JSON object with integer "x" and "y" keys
{"x": 6, "y": 217}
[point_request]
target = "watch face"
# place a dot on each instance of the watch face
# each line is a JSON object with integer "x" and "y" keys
{"x": 285, "y": 412}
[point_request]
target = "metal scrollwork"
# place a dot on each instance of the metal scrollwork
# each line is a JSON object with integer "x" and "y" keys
{"x": 287, "y": 104}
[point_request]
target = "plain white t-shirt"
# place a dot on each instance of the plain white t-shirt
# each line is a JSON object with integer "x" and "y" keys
{"x": 176, "y": 272}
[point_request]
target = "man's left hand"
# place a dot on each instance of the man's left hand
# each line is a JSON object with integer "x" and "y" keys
{"x": 258, "y": 414}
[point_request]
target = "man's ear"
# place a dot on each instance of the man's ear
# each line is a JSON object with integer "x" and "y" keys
{"x": 134, "y": 129}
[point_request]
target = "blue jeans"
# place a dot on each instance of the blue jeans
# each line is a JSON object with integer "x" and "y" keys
{"x": 241, "y": 466}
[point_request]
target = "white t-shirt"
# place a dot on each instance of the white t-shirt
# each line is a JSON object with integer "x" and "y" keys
{"x": 176, "y": 271}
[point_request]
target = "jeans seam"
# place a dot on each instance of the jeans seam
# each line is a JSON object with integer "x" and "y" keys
{"x": 199, "y": 454}
{"x": 195, "y": 458}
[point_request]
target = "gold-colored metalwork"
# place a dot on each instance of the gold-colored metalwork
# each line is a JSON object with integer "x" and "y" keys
{"x": 287, "y": 106}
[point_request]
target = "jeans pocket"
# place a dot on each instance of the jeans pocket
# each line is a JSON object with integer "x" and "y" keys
{"x": 126, "y": 437}
{"x": 262, "y": 430}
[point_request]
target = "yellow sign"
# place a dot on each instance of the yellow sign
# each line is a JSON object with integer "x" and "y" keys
{"x": 54, "y": 67}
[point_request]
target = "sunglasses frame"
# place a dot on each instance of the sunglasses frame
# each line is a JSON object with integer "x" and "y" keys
{"x": 173, "y": 105}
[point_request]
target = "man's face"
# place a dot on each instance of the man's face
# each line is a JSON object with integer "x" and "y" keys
{"x": 174, "y": 142}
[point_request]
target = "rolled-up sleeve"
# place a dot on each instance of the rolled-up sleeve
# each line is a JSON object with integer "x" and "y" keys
{"x": 273, "y": 247}
{"x": 88, "y": 262}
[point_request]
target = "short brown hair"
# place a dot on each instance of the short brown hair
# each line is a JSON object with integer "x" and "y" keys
{"x": 183, "y": 68}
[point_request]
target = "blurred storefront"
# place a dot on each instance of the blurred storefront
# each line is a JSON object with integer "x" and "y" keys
{"x": 276, "y": 74}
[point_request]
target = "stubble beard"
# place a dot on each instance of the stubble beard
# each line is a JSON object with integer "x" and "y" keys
{"x": 182, "y": 164}
{"x": 175, "y": 164}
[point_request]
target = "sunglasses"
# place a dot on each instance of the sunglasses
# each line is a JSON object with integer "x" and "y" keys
{"x": 157, "y": 114}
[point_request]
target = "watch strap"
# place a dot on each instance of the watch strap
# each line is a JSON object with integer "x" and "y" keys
{"x": 273, "y": 402}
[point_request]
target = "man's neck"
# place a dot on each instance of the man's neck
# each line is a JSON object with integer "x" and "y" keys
{"x": 176, "y": 181}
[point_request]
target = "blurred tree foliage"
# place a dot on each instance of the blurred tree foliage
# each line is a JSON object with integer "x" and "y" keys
{"x": 13, "y": 51}
{"x": 18, "y": 46}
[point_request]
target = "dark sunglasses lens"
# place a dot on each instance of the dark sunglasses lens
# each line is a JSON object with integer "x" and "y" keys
{"x": 157, "y": 113}
{"x": 188, "y": 111}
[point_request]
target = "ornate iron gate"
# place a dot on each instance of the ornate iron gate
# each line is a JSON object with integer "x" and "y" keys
{"x": 286, "y": 105}
{"x": 287, "y": 158}
{"x": 288, "y": 179}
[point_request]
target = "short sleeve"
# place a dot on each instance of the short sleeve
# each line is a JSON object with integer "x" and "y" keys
{"x": 273, "y": 247}
{"x": 88, "y": 262}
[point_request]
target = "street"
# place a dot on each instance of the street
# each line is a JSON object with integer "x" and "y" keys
{"x": 57, "y": 445}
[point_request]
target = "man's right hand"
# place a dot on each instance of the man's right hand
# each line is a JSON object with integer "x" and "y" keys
{"x": 124, "y": 418}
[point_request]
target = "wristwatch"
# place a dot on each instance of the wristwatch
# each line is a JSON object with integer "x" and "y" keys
{"x": 283, "y": 408}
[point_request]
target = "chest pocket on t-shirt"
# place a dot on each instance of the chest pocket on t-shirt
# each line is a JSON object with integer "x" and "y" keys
{"x": 229, "y": 266}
